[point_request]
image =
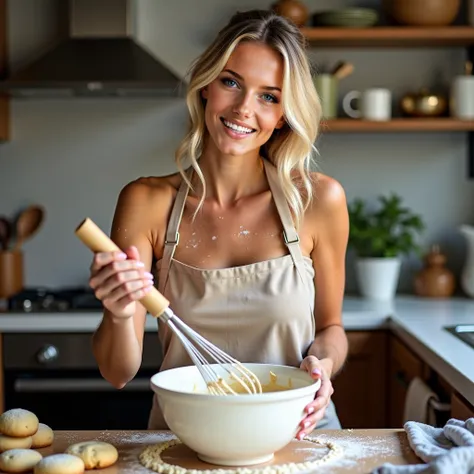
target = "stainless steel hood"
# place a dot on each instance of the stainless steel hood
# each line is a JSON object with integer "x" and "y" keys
{"x": 98, "y": 58}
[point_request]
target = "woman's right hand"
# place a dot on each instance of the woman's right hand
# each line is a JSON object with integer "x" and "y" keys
{"x": 119, "y": 280}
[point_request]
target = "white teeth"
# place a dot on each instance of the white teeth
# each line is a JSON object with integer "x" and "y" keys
{"x": 237, "y": 128}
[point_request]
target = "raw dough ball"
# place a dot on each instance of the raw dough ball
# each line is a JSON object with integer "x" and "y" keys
{"x": 18, "y": 422}
{"x": 95, "y": 454}
{"x": 9, "y": 442}
{"x": 43, "y": 437}
{"x": 19, "y": 460}
{"x": 60, "y": 464}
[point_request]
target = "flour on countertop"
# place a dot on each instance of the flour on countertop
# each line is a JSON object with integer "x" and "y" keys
{"x": 358, "y": 448}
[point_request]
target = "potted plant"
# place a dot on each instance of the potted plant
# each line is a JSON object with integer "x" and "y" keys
{"x": 379, "y": 237}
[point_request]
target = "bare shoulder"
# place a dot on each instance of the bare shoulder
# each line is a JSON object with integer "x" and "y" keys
{"x": 143, "y": 209}
{"x": 149, "y": 190}
{"x": 328, "y": 193}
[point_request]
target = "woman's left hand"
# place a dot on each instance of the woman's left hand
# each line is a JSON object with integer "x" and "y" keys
{"x": 318, "y": 369}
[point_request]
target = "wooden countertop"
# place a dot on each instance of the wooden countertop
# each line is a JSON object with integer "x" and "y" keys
{"x": 363, "y": 450}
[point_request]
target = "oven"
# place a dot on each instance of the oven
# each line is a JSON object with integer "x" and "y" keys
{"x": 56, "y": 376}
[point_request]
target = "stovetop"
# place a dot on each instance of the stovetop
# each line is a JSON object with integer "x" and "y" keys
{"x": 54, "y": 300}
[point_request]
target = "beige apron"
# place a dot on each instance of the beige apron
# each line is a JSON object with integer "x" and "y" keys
{"x": 261, "y": 312}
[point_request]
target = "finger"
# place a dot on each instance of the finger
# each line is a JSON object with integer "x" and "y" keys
{"x": 318, "y": 403}
{"x": 114, "y": 269}
{"x": 132, "y": 253}
{"x": 130, "y": 296}
{"x": 312, "y": 365}
{"x": 118, "y": 284}
{"x": 101, "y": 259}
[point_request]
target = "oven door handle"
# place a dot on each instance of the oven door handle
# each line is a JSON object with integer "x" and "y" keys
{"x": 77, "y": 385}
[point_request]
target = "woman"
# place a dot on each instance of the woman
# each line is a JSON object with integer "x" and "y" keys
{"x": 246, "y": 233}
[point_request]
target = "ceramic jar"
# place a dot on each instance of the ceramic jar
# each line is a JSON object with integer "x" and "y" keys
{"x": 294, "y": 10}
{"x": 435, "y": 280}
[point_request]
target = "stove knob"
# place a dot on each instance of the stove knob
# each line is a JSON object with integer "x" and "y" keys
{"x": 47, "y": 354}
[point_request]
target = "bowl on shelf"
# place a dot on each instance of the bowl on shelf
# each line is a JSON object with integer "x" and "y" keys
{"x": 422, "y": 12}
{"x": 347, "y": 17}
{"x": 424, "y": 104}
{"x": 234, "y": 430}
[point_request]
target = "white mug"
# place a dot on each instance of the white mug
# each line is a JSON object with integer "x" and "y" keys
{"x": 374, "y": 104}
{"x": 462, "y": 97}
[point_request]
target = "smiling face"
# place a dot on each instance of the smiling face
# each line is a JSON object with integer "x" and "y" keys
{"x": 243, "y": 105}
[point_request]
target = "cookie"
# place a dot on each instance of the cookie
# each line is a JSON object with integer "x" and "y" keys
{"x": 95, "y": 454}
{"x": 60, "y": 464}
{"x": 18, "y": 422}
{"x": 19, "y": 460}
{"x": 9, "y": 442}
{"x": 43, "y": 437}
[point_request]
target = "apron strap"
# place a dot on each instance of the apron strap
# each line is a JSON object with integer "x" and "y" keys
{"x": 290, "y": 235}
{"x": 172, "y": 234}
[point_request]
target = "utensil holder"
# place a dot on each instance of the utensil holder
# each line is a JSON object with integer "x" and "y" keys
{"x": 11, "y": 272}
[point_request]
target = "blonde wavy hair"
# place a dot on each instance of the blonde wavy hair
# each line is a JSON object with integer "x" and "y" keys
{"x": 291, "y": 148}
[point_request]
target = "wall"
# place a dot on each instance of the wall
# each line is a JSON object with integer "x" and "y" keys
{"x": 73, "y": 156}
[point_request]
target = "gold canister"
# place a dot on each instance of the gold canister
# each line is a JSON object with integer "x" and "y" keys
{"x": 11, "y": 272}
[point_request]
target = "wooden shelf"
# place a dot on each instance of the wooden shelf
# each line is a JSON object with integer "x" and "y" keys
{"x": 398, "y": 125}
{"x": 390, "y": 36}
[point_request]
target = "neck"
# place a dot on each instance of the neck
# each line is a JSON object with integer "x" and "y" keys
{"x": 231, "y": 178}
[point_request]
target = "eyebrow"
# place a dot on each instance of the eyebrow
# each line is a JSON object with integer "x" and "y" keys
{"x": 238, "y": 76}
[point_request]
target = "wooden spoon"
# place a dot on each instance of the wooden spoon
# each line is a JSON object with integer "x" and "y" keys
{"x": 28, "y": 222}
{"x": 342, "y": 70}
{"x": 5, "y": 232}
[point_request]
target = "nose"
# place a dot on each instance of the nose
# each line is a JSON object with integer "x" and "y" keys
{"x": 244, "y": 105}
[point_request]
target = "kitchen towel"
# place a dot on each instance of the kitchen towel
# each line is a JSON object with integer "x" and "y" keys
{"x": 417, "y": 403}
{"x": 447, "y": 450}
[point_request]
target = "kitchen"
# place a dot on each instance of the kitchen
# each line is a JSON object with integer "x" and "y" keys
{"x": 73, "y": 155}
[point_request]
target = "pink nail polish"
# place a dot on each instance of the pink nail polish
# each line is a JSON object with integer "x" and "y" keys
{"x": 310, "y": 410}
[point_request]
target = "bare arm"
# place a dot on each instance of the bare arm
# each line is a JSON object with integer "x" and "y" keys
{"x": 118, "y": 341}
{"x": 330, "y": 343}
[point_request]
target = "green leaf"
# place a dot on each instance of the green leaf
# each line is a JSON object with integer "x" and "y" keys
{"x": 388, "y": 231}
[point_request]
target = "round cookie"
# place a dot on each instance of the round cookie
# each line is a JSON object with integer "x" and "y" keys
{"x": 60, "y": 464}
{"x": 95, "y": 454}
{"x": 43, "y": 437}
{"x": 10, "y": 442}
{"x": 19, "y": 460}
{"x": 18, "y": 422}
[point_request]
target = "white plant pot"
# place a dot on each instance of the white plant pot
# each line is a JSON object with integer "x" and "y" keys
{"x": 378, "y": 277}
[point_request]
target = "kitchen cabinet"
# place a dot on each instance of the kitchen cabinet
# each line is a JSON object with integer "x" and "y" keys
{"x": 404, "y": 366}
{"x": 4, "y": 100}
{"x": 461, "y": 409}
{"x": 360, "y": 388}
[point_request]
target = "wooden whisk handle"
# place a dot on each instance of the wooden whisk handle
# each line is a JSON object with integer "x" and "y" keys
{"x": 94, "y": 238}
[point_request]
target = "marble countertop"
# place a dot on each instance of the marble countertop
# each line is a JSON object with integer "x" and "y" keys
{"x": 418, "y": 322}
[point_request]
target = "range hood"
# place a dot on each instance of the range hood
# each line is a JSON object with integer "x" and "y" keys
{"x": 98, "y": 58}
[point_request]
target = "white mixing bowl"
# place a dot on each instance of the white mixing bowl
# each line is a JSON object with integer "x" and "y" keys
{"x": 234, "y": 430}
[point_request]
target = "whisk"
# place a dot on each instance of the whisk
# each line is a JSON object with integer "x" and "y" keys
{"x": 199, "y": 349}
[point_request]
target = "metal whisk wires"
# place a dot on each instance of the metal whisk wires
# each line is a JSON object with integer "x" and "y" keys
{"x": 197, "y": 347}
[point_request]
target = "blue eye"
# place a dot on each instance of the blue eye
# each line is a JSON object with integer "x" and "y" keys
{"x": 269, "y": 98}
{"x": 229, "y": 82}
